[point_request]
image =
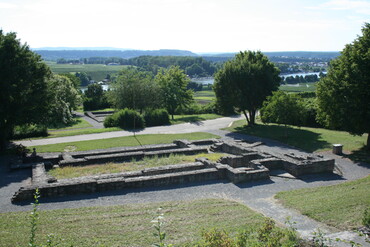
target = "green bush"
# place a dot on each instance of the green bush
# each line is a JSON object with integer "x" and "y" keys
{"x": 156, "y": 117}
{"x": 125, "y": 119}
{"x": 111, "y": 121}
{"x": 265, "y": 235}
{"x": 195, "y": 108}
{"x": 29, "y": 130}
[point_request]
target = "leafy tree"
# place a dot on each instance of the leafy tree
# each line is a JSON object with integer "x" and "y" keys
{"x": 95, "y": 98}
{"x": 244, "y": 83}
{"x": 344, "y": 94}
{"x": 23, "y": 86}
{"x": 74, "y": 79}
{"x": 135, "y": 89}
{"x": 85, "y": 80}
{"x": 283, "y": 108}
{"x": 174, "y": 93}
{"x": 63, "y": 98}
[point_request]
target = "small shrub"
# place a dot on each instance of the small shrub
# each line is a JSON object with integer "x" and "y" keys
{"x": 156, "y": 117}
{"x": 215, "y": 238}
{"x": 125, "y": 119}
{"x": 110, "y": 121}
{"x": 29, "y": 130}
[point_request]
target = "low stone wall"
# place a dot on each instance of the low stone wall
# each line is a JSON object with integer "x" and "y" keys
{"x": 243, "y": 164}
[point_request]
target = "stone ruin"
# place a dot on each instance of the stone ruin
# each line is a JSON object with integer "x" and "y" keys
{"x": 242, "y": 163}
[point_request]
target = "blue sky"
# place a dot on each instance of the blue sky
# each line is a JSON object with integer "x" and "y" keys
{"x": 195, "y": 25}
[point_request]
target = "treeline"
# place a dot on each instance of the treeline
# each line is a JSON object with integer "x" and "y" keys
{"x": 302, "y": 79}
{"x": 53, "y": 55}
{"x": 193, "y": 66}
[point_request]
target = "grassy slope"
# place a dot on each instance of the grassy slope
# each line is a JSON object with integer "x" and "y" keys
{"x": 79, "y": 171}
{"x": 122, "y": 142}
{"x": 129, "y": 225}
{"x": 340, "y": 205}
{"x": 309, "y": 139}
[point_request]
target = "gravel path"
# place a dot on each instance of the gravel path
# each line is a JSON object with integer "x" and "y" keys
{"x": 257, "y": 195}
{"x": 202, "y": 126}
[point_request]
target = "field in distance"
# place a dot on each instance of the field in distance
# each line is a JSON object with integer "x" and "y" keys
{"x": 96, "y": 71}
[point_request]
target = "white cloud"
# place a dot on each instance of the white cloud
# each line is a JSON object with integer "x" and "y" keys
{"x": 7, "y": 5}
{"x": 361, "y": 7}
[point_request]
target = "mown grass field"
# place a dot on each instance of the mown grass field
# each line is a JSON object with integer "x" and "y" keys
{"x": 97, "y": 71}
{"x": 78, "y": 122}
{"x": 128, "y": 225}
{"x": 205, "y": 96}
{"x": 341, "y": 205}
{"x": 79, "y": 171}
{"x": 121, "y": 142}
{"x": 301, "y": 87}
{"x": 308, "y": 139}
{"x": 193, "y": 118}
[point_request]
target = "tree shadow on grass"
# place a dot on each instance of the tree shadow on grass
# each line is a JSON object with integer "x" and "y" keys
{"x": 360, "y": 156}
{"x": 76, "y": 120}
{"x": 187, "y": 119}
{"x": 300, "y": 138}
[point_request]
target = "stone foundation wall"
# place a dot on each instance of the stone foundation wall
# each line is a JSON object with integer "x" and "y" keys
{"x": 243, "y": 164}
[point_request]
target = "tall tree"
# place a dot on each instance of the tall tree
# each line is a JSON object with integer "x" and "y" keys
{"x": 136, "y": 90}
{"x": 63, "y": 98}
{"x": 23, "y": 86}
{"x": 283, "y": 108}
{"x": 245, "y": 81}
{"x": 344, "y": 94}
{"x": 174, "y": 93}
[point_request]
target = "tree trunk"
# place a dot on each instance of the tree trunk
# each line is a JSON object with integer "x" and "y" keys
{"x": 368, "y": 141}
{"x": 172, "y": 117}
{"x": 252, "y": 117}
{"x": 246, "y": 116}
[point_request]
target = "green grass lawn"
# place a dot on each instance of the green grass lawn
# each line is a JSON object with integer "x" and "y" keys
{"x": 96, "y": 71}
{"x": 75, "y": 132}
{"x": 79, "y": 171}
{"x": 194, "y": 118}
{"x": 309, "y": 139}
{"x": 121, "y": 142}
{"x": 77, "y": 123}
{"x": 341, "y": 205}
{"x": 303, "y": 87}
{"x": 205, "y": 93}
{"x": 128, "y": 225}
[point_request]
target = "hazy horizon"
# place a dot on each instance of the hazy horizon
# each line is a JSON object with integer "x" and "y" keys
{"x": 202, "y": 26}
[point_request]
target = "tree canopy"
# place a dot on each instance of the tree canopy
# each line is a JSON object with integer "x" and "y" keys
{"x": 245, "y": 81}
{"x": 283, "y": 108}
{"x": 136, "y": 90}
{"x": 23, "y": 86}
{"x": 344, "y": 94}
{"x": 174, "y": 93}
{"x": 63, "y": 98}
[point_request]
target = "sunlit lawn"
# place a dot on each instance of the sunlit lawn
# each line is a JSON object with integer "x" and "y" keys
{"x": 341, "y": 205}
{"x": 122, "y": 142}
{"x": 128, "y": 225}
{"x": 79, "y": 171}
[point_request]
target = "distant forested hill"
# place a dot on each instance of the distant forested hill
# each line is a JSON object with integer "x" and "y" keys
{"x": 283, "y": 56}
{"x": 53, "y": 55}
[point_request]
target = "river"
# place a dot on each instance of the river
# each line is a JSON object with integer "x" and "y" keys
{"x": 210, "y": 80}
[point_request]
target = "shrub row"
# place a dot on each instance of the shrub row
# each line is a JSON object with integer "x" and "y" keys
{"x": 29, "y": 130}
{"x": 131, "y": 119}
